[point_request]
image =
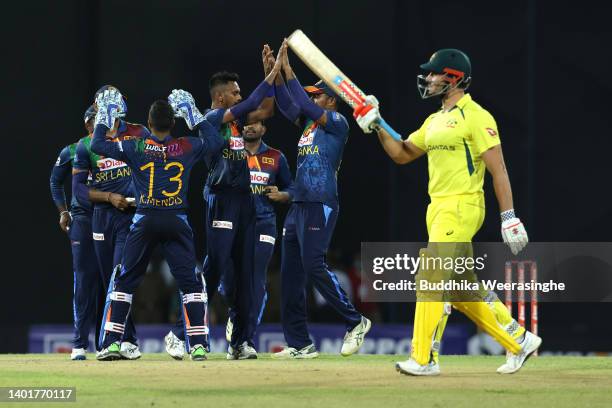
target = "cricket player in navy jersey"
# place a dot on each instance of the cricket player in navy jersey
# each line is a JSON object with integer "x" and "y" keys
{"x": 161, "y": 166}
{"x": 76, "y": 222}
{"x": 109, "y": 190}
{"x": 230, "y": 208}
{"x": 270, "y": 182}
{"x": 312, "y": 217}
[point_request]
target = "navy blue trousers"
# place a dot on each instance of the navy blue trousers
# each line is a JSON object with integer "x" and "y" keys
{"x": 110, "y": 227}
{"x": 229, "y": 263}
{"x": 265, "y": 237}
{"x": 171, "y": 230}
{"x": 306, "y": 236}
{"x": 87, "y": 286}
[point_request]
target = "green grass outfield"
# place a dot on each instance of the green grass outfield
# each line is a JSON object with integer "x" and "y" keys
{"x": 329, "y": 381}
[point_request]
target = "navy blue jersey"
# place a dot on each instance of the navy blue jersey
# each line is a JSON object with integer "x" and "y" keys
{"x": 107, "y": 173}
{"x": 318, "y": 160}
{"x": 228, "y": 170}
{"x": 268, "y": 167}
{"x": 160, "y": 168}
{"x": 59, "y": 173}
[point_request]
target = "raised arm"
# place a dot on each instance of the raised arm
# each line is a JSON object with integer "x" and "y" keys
{"x": 250, "y": 107}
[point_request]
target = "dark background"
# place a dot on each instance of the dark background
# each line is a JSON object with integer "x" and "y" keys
{"x": 542, "y": 71}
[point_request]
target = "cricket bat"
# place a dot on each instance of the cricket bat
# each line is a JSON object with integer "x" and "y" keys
{"x": 318, "y": 63}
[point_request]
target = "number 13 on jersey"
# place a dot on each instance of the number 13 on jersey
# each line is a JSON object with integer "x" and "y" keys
{"x": 174, "y": 179}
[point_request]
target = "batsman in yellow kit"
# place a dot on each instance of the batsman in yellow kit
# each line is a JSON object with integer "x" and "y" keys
{"x": 461, "y": 141}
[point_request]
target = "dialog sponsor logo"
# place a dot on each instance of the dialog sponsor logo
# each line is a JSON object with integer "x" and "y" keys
{"x": 306, "y": 140}
{"x": 236, "y": 143}
{"x": 259, "y": 177}
{"x": 110, "y": 164}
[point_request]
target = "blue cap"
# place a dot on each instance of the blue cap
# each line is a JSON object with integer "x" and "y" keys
{"x": 320, "y": 88}
{"x": 89, "y": 113}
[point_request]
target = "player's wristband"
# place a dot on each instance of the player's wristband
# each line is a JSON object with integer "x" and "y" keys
{"x": 64, "y": 212}
{"x": 507, "y": 215}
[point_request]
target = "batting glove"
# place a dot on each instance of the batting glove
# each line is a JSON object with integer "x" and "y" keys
{"x": 513, "y": 232}
{"x": 184, "y": 107}
{"x": 367, "y": 114}
{"x": 111, "y": 106}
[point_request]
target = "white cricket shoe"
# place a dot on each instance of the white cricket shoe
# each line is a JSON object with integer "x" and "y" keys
{"x": 174, "y": 346}
{"x": 129, "y": 351}
{"x": 229, "y": 329}
{"x": 354, "y": 339}
{"x": 78, "y": 354}
{"x": 411, "y": 367}
{"x": 514, "y": 362}
{"x": 110, "y": 353}
{"x": 244, "y": 352}
{"x": 289, "y": 353}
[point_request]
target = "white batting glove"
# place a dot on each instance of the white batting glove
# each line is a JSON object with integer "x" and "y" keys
{"x": 513, "y": 232}
{"x": 368, "y": 115}
{"x": 111, "y": 106}
{"x": 184, "y": 107}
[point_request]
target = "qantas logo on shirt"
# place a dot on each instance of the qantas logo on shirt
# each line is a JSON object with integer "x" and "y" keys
{"x": 259, "y": 177}
{"x": 306, "y": 139}
{"x": 491, "y": 132}
{"x": 236, "y": 143}
{"x": 110, "y": 164}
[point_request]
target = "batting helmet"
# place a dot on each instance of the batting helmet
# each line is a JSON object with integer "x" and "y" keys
{"x": 453, "y": 63}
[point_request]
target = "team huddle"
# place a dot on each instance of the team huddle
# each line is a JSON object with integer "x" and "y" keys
{"x": 129, "y": 196}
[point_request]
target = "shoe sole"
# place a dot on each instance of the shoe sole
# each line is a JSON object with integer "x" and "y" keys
{"x": 79, "y": 358}
{"x": 123, "y": 357}
{"x": 402, "y": 371}
{"x": 110, "y": 357}
{"x": 201, "y": 358}
{"x": 178, "y": 358}
{"x": 539, "y": 343}
{"x": 251, "y": 357}
{"x": 367, "y": 329}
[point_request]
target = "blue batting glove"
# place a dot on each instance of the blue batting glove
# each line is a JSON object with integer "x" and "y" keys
{"x": 184, "y": 107}
{"x": 111, "y": 106}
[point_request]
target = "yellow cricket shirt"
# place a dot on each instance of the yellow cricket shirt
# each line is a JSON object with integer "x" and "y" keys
{"x": 454, "y": 142}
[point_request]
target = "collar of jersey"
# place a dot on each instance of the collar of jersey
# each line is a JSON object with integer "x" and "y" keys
{"x": 156, "y": 140}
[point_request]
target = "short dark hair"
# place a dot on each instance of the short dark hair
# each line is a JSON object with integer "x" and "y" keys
{"x": 221, "y": 78}
{"x": 161, "y": 115}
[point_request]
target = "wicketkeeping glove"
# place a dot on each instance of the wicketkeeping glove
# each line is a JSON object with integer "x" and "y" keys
{"x": 184, "y": 107}
{"x": 367, "y": 115}
{"x": 513, "y": 232}
{"x": 111, "y": 106}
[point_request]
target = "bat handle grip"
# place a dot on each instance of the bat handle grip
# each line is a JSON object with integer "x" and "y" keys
{"x": 389, "y": 130}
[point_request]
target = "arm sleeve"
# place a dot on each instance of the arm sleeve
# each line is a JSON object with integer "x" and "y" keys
{"x": 484, "y": 131}
{"x": 285, "y": 182}
{"x": 209, "y": 142}
{"x": 108, "y": 148}
{"x": 215, "y": 118}
{"x": 252, "y": 102}
{"x": 59, "y": 172}
{"x": 285, "y": 103}
{"x": 300, "y": 97}
{"x": 417, "y": 137}
{"x": 336, "y": 124}
{"x": 80, "y": 189}
{"x": 82, "y": 160}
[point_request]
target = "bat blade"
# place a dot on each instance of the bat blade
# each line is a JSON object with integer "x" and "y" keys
{"x": 318, "y": 63}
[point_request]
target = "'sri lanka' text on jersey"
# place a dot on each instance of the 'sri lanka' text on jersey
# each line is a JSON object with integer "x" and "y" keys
{"x": 61, "y": 170}
{"x": 228, "y": 170}
{"x": 319, "y": 156}
{"x": 107, "y": 173}
{"x": 161, "y": 168}
{"x": 268, "y": 167}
